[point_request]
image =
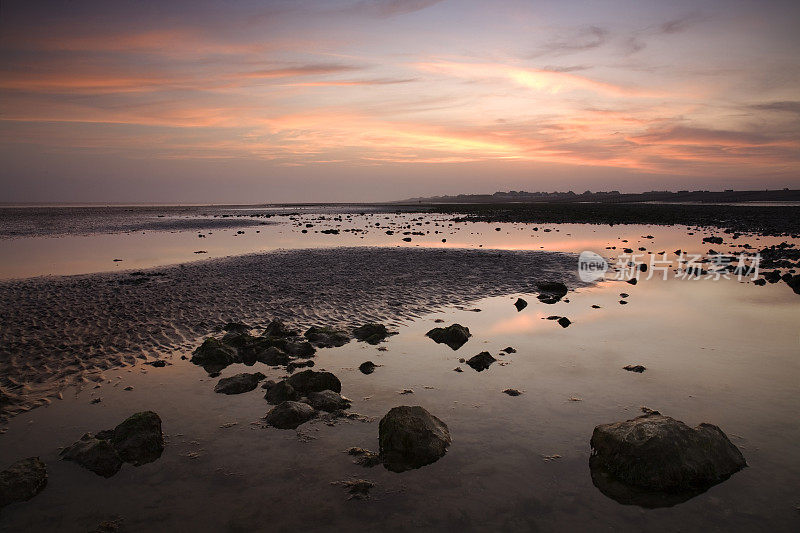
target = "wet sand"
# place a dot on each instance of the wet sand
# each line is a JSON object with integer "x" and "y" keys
{"x": 59, "y": 331}
{"x": 723, "y": 352}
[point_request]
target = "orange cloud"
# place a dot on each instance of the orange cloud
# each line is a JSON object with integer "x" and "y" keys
{"x": 546, "y": 81}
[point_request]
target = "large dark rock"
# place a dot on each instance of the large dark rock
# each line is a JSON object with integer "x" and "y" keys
{"x": 289, "y": 415}
{"x": 94, "y": 454}
{"x": 372, "y": 333}
{"x": 22, "y": 481}
{"x": 326, "y": 337}
{"x": 455, "y": 336}
{"x": 328, "y": 400}
{"x": 520, "y": 304}
{"x": 239, "y": 383}
{"x": 139, "y": 439}
{"x": 411, "y": 437}
{"x": 481, "y": 361}
{"x": 213, "y": 354}
{"x": 312, "y": 381}
{"x": 654, "y": 460}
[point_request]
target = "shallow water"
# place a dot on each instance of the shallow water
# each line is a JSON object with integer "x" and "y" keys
{"x": 101, "y": 250}
{"x": 722, "y": 352}
{"x": 704, "y": 363}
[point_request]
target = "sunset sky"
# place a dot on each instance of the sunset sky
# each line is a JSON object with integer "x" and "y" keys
{"x": 244, "y": 101}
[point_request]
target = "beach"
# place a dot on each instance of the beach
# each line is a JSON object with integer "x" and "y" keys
{"x": 83, "y": 351}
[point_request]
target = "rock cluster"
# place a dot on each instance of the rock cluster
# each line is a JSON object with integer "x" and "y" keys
{"x": 137, "y": 440}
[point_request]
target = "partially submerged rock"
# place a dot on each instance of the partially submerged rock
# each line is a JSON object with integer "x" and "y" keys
{"x": 280, "y": 392}
{"x": 94, "y": 454}
{"x": 372, "y": 333}
{"x": 139, "y": 439}
{"x": 520, "y": 304}
{"x": 358, "y": 488}
{"x": 512, "y": 392}
{"x": 455, "y": 335}
{"x": 481, "y": 362}
{"x": 365, "y": 457}
{"x": 239, "y": 383}
{"x": 411, "y": 437}
{"x": 22, "y": 481}
{"x": 654, "y": 460}
{"x": 213, "y": 353}
{"x": 289, "y": 415}
{"x": 328, "y": 400}
{"x": 367, "y": 367}
{"x": 551, "y": 292}
{"x": 312, "y": 381}
{"x": 634, "y": 368}
{"x": 564, "y": 322}
{"x": 326, "y": 337}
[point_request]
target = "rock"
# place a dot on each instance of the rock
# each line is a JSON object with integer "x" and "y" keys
{"x": 139, "y": 439}
{"x": 372, "y": 333}
{"x": 551, "y": 291}
{"x": 213, "y": 354}
{"x": 634, "y": 368}
{"x": 512, "y": 392}
{"x": 158, "y": 363}
{"x": 455, "y": 335}
{"x": 761, "y": 282}
{"x": 325, "y": 337}
{"x": 365, "y": 457}
{"x": 657, "y": 454}
{"x": 793, "y": 282}
{"x": 272, "y": 356}
{"x": 328, "y": 400}
{"x": 458, "y": 369}
{"x": 367, "y": 367}
{"x": 299, "y": 349}
{"x": 239, "y": 383}
{"x": 520, "y": 304}
{"x": 564, "y": 322}
{"x": 411, "y": 437}
{"x": 236, "y": 327}
{"x": 294, "y": 365}
{"x": 22, "y": 481}
{"x": 313, "y": 381}
{"x": 289, "y": 415}
{"x": 109, "y": 526}
{"x": 276, "y": 328}
{"x": 632, "y": 281}
{"x": 509, "y": 350}
{"x": 481, "y": 361}
{"x": 281, "y": 392}
{"x": 358, "y": 488}
{"x": 94, "y": 454}
{"x": 713, "y": 240}
{"x": 773, "y": 276}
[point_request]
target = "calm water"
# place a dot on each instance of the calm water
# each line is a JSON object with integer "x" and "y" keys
{"x": 722, "y": 352}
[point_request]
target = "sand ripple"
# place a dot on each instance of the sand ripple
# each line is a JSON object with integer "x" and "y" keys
{"x": 63, "y": 331}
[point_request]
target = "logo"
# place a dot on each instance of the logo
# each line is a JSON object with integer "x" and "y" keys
{"x": 591, "y": 266}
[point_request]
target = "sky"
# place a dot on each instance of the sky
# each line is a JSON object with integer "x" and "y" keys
{"x": 375, "y": 100}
